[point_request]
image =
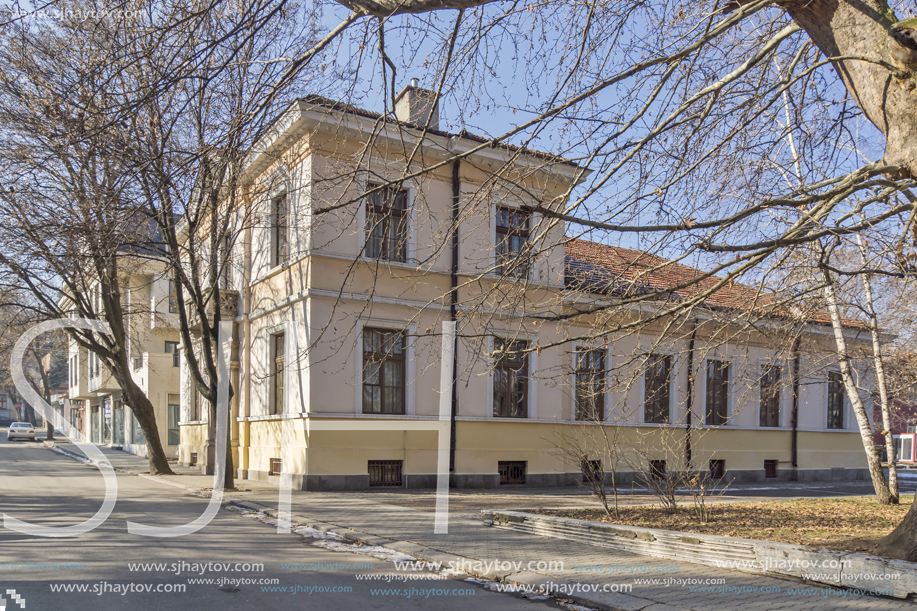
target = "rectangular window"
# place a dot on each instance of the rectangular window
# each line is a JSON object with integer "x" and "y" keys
{"x": 172, "y": 348}
{"x": 835, "y": 400}
{"x": 904, "y": 449}
{"x": 592, "y": 471}
{"x": 136, "y": 432}
{"x": 770, "y": 396}
{"x": 512, "y": 256}
{"x": 95, "y": 423}
{"x": 384, "y": 472}
{"x": 717, "y": 392}
{"x": 276, "y": 466}
{"x": 657, "y": 469}
{"x": 383, "y": 371}
{"x": 770, "y": 468}
{"x": 278, "y": 348}
{"x": 226, "y": 271}
{"x": 196, "y": 402}
{"x": 511, "y": 471}
{"x": 138, "y": 362}
{"x": 717, "y": 468}
{"x": 173, "y": 298}
{"x": 174, "y": 416}
{"x": 387, "y": 224}
{"x": 279, "y": 247}
{"x": 590, "y": 385}
{"x": 656, "y": 385}
{"x": 117, "y": 424}
{"x": 510, "y": 379}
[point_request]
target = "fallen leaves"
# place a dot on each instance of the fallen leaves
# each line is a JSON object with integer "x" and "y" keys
{"x": 846, "y": 524}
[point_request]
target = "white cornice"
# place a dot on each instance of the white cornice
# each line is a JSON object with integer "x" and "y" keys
{"x": 302, "y": 116}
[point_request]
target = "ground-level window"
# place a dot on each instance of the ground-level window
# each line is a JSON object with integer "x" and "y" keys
{"x": 592, "y": 471}
{"x": 770, "y": 396}
{"x": 590, "y": 385}
{"x": 770, "y": 468}
{"x": 717, "y": 468}
{"x": 385, "y": 472}
{"x": 904, "y": 449}
{"x": 657, "y": 469}
{"x": 835, "y": 400}
{"x": 174, "y": 416}
{"x": 511, "y": 471}
{"x": 95, "y": 423}
{"x": 117, "y": 424}
{"x": 717, "y": 392}
{"x": 656, "y": 384}
{"x": 510, "y": 378}
{"x": 136, "y": 432}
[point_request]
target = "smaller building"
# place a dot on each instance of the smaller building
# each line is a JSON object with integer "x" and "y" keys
{"x": 93, "y": 400}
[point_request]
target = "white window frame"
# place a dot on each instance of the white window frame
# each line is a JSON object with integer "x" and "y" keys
{"x": 534, "y": 221}
{"x": 673, "y": 387}
{"x": 277, "y": 185}
{"x": 410, "y": 335}
{"x": 288, "y": 341}
{"x": 576, "y": 346}
{"x": 849, "y": 416}
{"x": 785, "y": 394}
{"x": 410, "y": 256}
{"x": 532, "y": 365}
{"x": 731, "y": 397}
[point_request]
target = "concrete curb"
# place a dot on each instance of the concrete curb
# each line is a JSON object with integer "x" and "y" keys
{"x": 56, "y": 448}
{"x": 607, "y": 601}
{"x": 846, "y": 570}
{"x": 51, "y": 445}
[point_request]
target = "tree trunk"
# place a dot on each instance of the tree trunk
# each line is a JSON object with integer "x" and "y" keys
{"x": 881, "y": 386}
{"x": 884, "y": 91}
{"x": 883, "y": 494}
{"x": 901, "y": 542}
{"x": 229, "y": 481}
{"x": 143, "y": 410}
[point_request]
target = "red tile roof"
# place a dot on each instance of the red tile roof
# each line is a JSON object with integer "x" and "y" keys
{"x": 600, "y": 268}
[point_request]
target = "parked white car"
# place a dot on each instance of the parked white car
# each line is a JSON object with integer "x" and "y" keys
{"x": 22, "y": 430}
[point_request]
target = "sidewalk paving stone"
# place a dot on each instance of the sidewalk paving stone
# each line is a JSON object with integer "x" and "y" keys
{"x": 364, "y": 517}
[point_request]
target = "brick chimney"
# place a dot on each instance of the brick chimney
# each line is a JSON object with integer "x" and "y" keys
{"x": 415, "y": 105}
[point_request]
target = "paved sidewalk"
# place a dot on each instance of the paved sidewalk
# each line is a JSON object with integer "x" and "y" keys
{"x": 366, "y": 518}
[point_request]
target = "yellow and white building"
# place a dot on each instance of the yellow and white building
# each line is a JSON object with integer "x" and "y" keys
{"x": 340, "y": 283}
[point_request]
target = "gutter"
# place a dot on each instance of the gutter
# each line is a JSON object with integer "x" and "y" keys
{"x": 794, "y": 453}
{"x": 690, "y": 399}
{"x": 453, "y": 309}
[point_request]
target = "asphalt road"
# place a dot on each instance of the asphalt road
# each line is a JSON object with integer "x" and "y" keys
{"x": 46, "y": 488}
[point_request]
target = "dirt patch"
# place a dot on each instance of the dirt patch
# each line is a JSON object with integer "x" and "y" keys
{"x": 852, "y": 524}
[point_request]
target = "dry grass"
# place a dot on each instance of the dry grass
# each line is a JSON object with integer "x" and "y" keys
{"x": 851, "y": 524}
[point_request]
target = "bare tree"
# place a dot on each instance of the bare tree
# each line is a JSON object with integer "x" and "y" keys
{"x": 672, "y": 107}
